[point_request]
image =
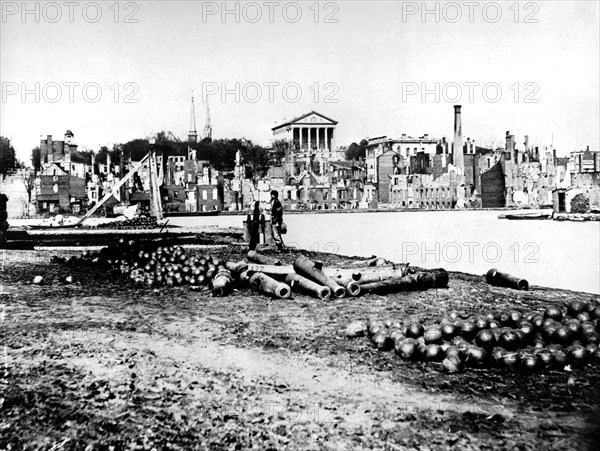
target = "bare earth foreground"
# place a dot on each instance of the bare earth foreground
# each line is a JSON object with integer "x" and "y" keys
{"x": 105, "y": 364}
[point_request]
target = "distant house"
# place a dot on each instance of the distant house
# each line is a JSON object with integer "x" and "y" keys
{"x": 62, "y": 187}
{"x": 493, "y": 191}
{"x": 191, "y": 186}
{"x": 61, "y": 194}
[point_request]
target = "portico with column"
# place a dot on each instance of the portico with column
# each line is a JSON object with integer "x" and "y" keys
{"x": 310, "y": 135}
{"x": 320, "y": 138}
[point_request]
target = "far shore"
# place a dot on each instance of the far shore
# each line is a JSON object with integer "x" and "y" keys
{"x": 388, "y": 210}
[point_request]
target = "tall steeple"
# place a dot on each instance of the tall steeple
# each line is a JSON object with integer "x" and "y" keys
{"x": 192, "y": 134}
{"x": 207, "y": 127}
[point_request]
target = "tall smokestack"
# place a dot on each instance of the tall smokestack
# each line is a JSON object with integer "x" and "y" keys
{"x": 444, "y": 152}
{"x": 49, "y": 150}
{"x": 457, "y": 150}
{"x": 510, "y": 146}
{"x": 526, "y": 152}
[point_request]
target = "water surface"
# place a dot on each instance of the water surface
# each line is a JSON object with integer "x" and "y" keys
{"x": 559, "y": 254}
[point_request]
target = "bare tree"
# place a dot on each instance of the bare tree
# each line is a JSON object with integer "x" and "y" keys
{"x": 28, "y": 178}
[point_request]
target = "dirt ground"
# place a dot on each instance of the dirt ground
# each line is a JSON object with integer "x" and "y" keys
{"x": 104, "y": 364}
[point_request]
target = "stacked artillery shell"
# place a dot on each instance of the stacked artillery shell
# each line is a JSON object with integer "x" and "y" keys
{"x": 261, "y": 282}
{"x": 309, "y": 269}
{"x": 500, "y": 279}
{"x": 302, "y": 284}
{"x": 222, "y": 282}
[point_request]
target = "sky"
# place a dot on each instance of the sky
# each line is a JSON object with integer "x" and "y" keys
{"x": 115, "y": 71}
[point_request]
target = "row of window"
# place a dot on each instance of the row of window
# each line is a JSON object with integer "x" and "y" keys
{"x": 204, "y": 194}
{"x": 445, "y": 205}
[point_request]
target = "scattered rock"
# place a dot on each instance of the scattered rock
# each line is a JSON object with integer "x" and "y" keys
{"x": 356, "y": 329}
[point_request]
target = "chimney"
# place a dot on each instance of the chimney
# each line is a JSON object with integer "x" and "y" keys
{"x": 457, "y": 150}
{"x": 510, "y": 146}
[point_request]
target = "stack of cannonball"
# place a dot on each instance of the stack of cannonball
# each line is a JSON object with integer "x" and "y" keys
{"x": 151, "y": 264}
{"x": 536, "y": 341}
{"x": 140, "y": 222}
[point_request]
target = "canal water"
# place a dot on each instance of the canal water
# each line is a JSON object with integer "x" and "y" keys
{"x": 558, "y": 254}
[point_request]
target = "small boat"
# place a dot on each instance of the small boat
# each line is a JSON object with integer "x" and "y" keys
{"x": 533, "y": 215}
{"x": 58, "y": 222}
{"x": 50, "y": 226}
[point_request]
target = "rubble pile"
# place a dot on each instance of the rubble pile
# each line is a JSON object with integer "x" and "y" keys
{"x": 531, "y": 342}
{"x": 577, "y": 216}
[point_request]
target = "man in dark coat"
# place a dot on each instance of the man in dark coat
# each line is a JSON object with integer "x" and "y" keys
{"x": 3, "y": 219}
{"x": 276, "y": 219}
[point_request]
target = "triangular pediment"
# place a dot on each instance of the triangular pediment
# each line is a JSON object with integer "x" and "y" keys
{"x": 312, "y": 118}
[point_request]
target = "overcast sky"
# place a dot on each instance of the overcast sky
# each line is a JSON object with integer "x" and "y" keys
{"x": 357, "y": 63}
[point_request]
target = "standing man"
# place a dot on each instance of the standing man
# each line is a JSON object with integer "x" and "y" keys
{"x": 3, "y": 220}
{"x": 276, "y": 219}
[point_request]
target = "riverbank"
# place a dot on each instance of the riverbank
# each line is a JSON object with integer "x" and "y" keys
{"x": 385, "y": 210}
{"x": 103, "y": 362}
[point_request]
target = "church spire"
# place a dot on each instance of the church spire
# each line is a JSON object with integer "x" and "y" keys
{"x": 192, "y": 134}
{"x": 207, "y": 127}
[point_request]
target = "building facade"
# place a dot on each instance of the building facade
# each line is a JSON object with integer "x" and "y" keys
{"x": 311, "y": 137}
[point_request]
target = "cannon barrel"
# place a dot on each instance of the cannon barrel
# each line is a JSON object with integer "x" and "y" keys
{"x": 262, "y": 282}
{"x": 406, "y": 283}
{"x": 502, "y": 279}
{"x": 244, "y": 276}
{"x": 309, "y": 269}
{"x": 352, "y": 288}
{"x": 278, "y": 270}
{"x": 299, "y": 283}
{"x": 235, "y": 267}
{"x": 342, "y": 276}
{"x": 239, "y": 271}
{"x": 377, "y": 274}
{"x": 222, "y": 282}
{"x": 435, "y": 278}
{"x": 254, "y": 256}
{"x": 376, "y": 261}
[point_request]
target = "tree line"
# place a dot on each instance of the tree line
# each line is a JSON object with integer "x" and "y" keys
{"x": 8, "y": 158}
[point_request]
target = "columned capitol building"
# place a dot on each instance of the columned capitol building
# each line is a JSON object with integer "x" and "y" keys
{"x": 311, "y": 136}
